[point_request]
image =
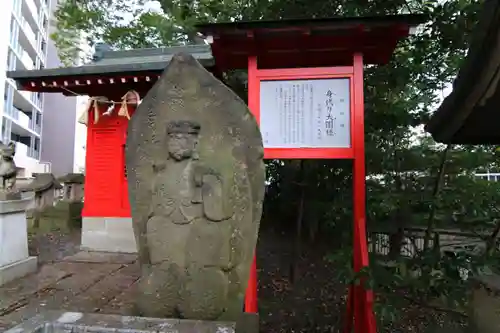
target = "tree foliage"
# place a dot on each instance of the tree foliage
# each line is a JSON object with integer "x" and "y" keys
{"x": 412, "y": 181}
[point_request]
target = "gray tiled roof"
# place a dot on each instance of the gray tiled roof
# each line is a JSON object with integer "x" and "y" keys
{"x": 137, "y": 60}
{"x": 138, "y": 56}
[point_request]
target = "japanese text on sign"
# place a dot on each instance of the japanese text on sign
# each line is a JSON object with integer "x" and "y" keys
{"x": 305, "y": 113}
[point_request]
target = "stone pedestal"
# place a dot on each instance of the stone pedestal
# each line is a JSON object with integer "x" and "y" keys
{"x": 14, "y": 259}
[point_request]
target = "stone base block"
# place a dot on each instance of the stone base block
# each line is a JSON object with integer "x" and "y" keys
{"x": 108, "y": 234}
{"x": 60, "y": 322}
{"x": 9, "y": 196}
{"x": 14, "y": 258}
{"x": 18, "y": 269}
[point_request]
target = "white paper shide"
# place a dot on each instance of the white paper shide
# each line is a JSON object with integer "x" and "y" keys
{"x": 305, "y": 113}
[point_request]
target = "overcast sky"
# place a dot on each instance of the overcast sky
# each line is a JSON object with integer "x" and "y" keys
{"x": 150, "y": 5}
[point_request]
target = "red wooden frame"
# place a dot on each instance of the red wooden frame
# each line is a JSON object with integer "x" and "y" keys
{"x": 360, "y": 300}
{"x": 256, "y": 76}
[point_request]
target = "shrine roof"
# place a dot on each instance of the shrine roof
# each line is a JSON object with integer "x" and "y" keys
{"x": 308, "y": 42}
{"x": 469, "y": 115}
{"x": 278, "y": 44}
{"x": 113, "y": 67}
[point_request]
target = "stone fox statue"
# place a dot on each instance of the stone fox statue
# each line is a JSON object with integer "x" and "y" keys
{"x": 8, "y": 170}
{"x": 196, "y": 183}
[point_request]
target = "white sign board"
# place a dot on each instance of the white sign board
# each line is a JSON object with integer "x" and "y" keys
{"x": 305, "y": 113}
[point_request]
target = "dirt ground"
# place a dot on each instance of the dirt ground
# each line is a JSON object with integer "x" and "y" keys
{"x": 103, "y": 284}
{"x": 53, "y": 246}
{"x": 316, "y": 302}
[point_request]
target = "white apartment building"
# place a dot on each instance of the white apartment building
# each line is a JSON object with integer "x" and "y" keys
{"x": 80, "y": 138}
{"x": 33, "y": 120}
{"x": 23, "y": 46}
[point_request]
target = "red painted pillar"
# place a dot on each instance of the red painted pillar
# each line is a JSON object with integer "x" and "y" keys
{"x": 251, "y": 294}
{"x": 364, "y": 320}
{"x": 253, "y": 98}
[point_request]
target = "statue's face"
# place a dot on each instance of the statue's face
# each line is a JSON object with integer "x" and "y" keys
{"x": 7, "y": 154}
{"x": 181, "y": 145}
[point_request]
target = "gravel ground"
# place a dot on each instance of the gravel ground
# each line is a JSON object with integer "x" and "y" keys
{"x": 54, "y": 245}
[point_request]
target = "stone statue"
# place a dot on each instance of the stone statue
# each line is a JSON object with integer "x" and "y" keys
{"x": 186, "y": 201}
{"x": 8, "y": 172}
{"x": 196, "y": 182}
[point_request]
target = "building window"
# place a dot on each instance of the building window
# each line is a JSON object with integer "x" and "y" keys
{"x": 13, "y": 33}
{"x": 8, "y": 98}
{"x": 489, "y": 176}
{"x": 11, "y": 61}
{"x": 6, "y": 130}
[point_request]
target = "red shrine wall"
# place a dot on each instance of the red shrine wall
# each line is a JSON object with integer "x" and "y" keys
{"x": 106, "y": 192}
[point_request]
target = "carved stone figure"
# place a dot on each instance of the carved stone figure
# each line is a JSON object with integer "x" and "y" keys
{"x": 8, "y": 172}
{"x": 196, "y": 183}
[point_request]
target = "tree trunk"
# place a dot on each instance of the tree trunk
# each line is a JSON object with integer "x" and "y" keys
{"x": 312, "y": 224}
{"x": 396, "y": 239}
{"x": 492, "y": 240}
{"x": 288, "y": 196}
{"x": 437, "y": 187}
{"x": 395, "y": 243}
{"x": 297, "y": 248}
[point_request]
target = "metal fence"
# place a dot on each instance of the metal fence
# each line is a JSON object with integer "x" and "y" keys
{"x": 414, "y": 238}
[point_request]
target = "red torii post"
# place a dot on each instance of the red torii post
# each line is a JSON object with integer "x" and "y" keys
{"x": 296, "y": 55}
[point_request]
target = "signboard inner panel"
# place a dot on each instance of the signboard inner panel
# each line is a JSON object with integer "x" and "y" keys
{"x": 313, "y": 113}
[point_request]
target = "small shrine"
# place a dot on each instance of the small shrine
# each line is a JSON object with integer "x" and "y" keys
{"x": 124, "y": 76}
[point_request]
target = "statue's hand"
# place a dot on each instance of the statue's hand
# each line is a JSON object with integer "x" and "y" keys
{"x": 198, "y": 176}
{"x": 214, "y": 205}
{"x": 197, "y": 196}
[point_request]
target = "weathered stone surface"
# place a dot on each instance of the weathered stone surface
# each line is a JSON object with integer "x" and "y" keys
{"x": 196, "y": 178}
{"x": 485, "y": 304}
{"x": 59, "y": 322}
